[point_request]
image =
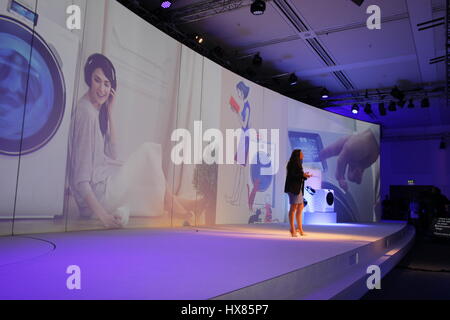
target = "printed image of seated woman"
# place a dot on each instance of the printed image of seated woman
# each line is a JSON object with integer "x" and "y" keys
{"x": 103, "y": 186}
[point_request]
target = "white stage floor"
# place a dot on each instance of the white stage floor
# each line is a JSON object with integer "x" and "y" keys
{"x": 225, "y": 262}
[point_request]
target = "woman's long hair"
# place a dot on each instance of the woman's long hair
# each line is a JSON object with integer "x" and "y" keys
{"x": 295, "y": 161}
{"x": 95, "y": 61}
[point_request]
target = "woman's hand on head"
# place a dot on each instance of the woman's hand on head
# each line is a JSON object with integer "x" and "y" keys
{"x": 111, "y": 101}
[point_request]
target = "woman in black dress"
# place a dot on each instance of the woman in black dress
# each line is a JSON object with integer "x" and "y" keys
{"x": 295, "y": 183}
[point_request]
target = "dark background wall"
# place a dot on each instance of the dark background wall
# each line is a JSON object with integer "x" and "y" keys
{"x": 414, "y": 153}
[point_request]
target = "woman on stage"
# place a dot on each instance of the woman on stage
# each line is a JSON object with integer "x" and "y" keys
{"x": 295, "y": 183}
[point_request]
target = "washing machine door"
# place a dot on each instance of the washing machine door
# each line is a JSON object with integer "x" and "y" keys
{"x": 25, "y": 128}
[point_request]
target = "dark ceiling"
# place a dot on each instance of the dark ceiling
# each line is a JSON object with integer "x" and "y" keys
{"x": 327, "y": 44}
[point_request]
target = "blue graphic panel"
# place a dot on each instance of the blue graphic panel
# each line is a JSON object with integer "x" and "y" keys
{"x": 39, "y": 83}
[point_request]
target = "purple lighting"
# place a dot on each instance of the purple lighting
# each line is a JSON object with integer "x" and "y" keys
{"x": 176, "y": 264}
{"x": 166, "y": 4}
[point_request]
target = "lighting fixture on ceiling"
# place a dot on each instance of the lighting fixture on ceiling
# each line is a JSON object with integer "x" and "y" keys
{"x": 442, "y": 145}
{"x": 425, "y": 103}
{"x": 166, "y": 4}
{"x": 397, "y": 94}
{"x": 401, "y": 103}
{"x": 257, "y": 60}
{"x": 293, "y": 80}
{"x": 355, "y": 109}
{"x": 382, "y": 109}
{"x": 368, "y": 108}
{"x": 392, "y": 106}
{"x": 258, "y": 7}
{"x": 199, "y": 39}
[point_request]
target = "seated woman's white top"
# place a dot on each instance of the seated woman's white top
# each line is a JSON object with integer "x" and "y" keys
{"x": 138, "y": 183}
{"x": 92, "y": 156}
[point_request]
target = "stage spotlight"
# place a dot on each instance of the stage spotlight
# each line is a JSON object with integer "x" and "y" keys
{"x": 442, "y": 145}
{"x": 199, "y": 39}
{"x": 166, "y": 4}
{"x": 392, "y": 106}
{"x": 411, "y": 104}
{"x": 382, "y": 109}
{"x": 401, "y": 103}
{"x": 293, "y": 79}
{"x": 425, "y": 103}
{"x": 368, "y": 108}
{"x": 325, "y": 94}
{"x": 257, "y": 60}
{"x": 358, "y": 2}
{"x": 355, "y": 109}
{"x": 258, "y": 7}
{"x": 397, "y": 94}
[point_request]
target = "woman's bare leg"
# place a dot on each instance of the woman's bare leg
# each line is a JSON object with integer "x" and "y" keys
{"x": 292, "y": 211}
{"x": 299, "y": 218}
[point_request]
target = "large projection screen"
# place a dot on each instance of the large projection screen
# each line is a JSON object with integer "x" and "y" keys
{"x": 88, "y": 140}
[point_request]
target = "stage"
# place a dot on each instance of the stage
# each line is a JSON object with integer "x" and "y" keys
{"x": 260, "y": 261}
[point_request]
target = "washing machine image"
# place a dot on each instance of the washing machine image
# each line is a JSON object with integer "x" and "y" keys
{"x": 323, "y": 200}
{"x": 319, "y": 200}
{"x": 38, "y": 63}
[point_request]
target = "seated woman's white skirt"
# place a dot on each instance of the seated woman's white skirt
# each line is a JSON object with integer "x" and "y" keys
{"x": 140, "y": 184}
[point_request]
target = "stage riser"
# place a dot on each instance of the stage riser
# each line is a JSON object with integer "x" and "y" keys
{"x": 386, "y": 263}
{"x": 321, "y": 280}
